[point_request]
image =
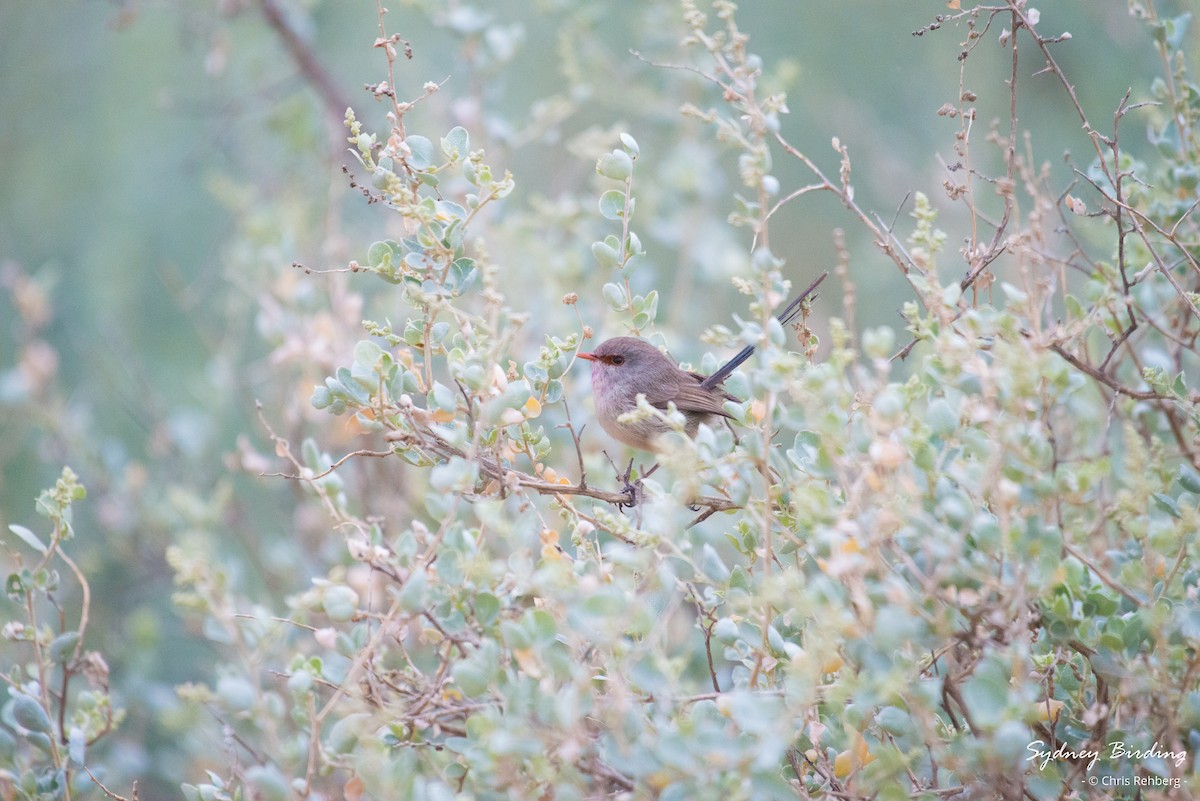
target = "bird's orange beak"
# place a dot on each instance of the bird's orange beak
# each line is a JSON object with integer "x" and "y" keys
{"x": 591, "y": 357}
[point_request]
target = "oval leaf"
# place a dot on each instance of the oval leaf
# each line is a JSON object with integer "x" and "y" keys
{"x": 612, "y": 204}
{"x": 605, "y": 256}
{"x": 456, "y": 144}
{"x": 29, "y": 714}
{"x": 28, "y": 537}
{"x": 421, "y": 150}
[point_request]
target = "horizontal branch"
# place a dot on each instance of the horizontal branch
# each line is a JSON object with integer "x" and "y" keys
{"x": 504, "y": 475}
{"x": 1112, "y": 383}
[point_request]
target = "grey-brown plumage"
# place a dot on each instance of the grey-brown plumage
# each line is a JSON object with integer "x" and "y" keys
{"x": 624, "y": 367}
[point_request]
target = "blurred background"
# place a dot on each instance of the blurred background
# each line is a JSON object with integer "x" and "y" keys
{"x": 166, "y": 163}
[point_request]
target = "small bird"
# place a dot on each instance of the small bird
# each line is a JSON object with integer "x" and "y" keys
{"x": 625, "y": 367}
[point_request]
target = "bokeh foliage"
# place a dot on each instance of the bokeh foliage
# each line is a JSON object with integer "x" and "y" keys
{"x": 932, "y": 542}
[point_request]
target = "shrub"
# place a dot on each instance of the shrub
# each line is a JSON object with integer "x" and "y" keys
{"x": 952, "y": 558}
{"x": 892, "y": 583}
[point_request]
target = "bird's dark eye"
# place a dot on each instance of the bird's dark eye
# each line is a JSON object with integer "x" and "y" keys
{"x": 618, "y": 359}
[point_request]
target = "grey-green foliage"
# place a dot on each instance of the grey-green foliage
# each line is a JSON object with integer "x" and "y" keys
{"x": 899, "y": 576}
{"x": 49, "y": 721}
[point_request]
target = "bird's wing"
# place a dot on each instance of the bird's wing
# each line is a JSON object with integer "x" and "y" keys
{"x": 689, "y": 397}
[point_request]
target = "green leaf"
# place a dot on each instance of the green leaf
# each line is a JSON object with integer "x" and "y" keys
{"x": 422, "y": 152}
{"x": 463, "y": 273}
{"x": 514, "y": 636}
{"x": 651, "y": 304}
{"x": 542, "y": 626}
{"x": 612, "y": 204}
{"x": 1188, "y": 478}
{"x": 606, "y": 256}
{"x": 267, "y": 783}
{"x": 450, "y": 210}
{"x": 28, "y": 537}
{"x": 776, "y": 641}
{"x": 487, "y": 608}
{"x": 384, "y": 255}
{"x": 443, "y": 398}
{"x": 1167, "y": 503}
{"x": 301, "y": 681}
{"x": 63, "y": 646}
{"x": 457, "y": 143}
{"x": 1176, "y": 30}
{"x": 631, "y": 145}
{"x": 712, "y": 565}
{"x": 1014, "y": 293}
{"x": 615, "y": 297}
{"x": 1108, "y": 666}
{"x": 1074, "y": 308}
{"x": 343, "y": 737}
{"x": 413, "y": 597}
{"x": 740, "y": 578}
{"x": 76, "y": 745}
{"x": 236, "y": 693}
{"x": 470, "y": 677}
{"x": 29, "y": 714}
{"x": 615, "y": 165}
{"x": 725, "y": 631}
{"x": 367, "y": 353}
{"x": 894, "y": 721}
{"x": 941, "y": 418}
{"x": 321, "y": 397}
{"x": 986, "y": 695}
{"x": 353, "y": 389}
{"x": 339, "y": 602}
{"x": 633, "y": 246}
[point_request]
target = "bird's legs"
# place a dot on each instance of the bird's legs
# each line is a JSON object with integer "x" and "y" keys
{"x": 633, "y": 489}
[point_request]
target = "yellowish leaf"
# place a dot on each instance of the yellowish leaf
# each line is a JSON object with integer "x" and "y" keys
{"x": 1049, "y": 709}
{"x": 528, "y": 662}
{"x": 849, "y": 546}
{"x": 832, "y": 664}
{"x": 852, "y": 758}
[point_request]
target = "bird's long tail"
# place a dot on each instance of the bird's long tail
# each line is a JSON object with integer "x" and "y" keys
{"x": 786, "y": 316}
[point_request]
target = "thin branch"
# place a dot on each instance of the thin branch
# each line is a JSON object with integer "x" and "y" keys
{"x": 1111, "y": 382}
{"x": 332, "y": 468}
{"x": 107, "y": 792}
{"x": 1104, "y": 576}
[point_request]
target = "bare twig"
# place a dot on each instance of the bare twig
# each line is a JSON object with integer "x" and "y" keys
{"x": 1112, "y": 383}
{"x": 107, "y": 792}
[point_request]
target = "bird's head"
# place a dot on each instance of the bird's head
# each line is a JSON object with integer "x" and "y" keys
{"x": 625, "y": 356}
